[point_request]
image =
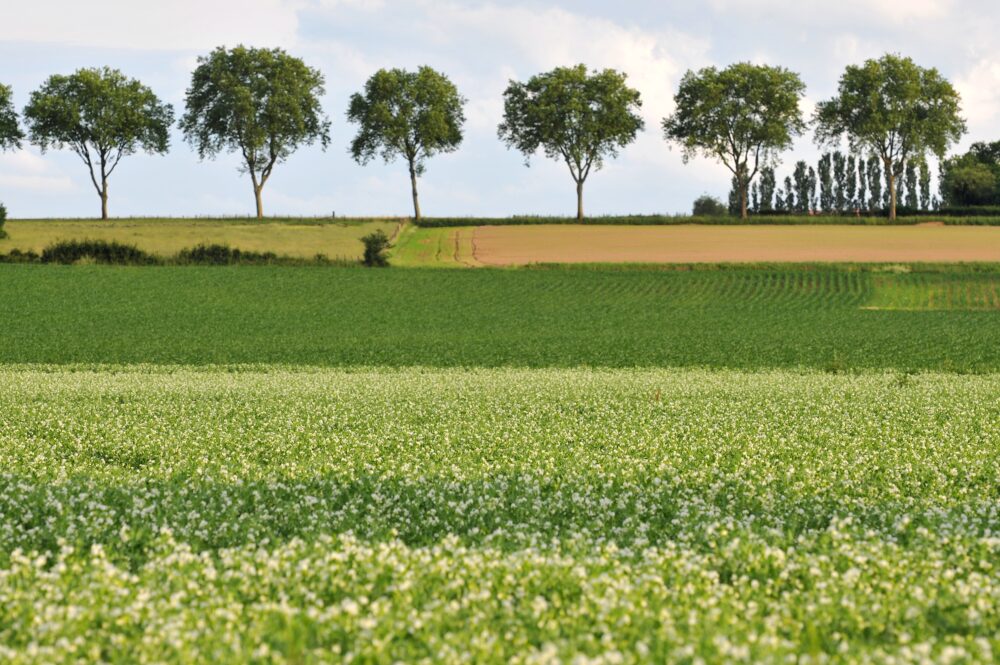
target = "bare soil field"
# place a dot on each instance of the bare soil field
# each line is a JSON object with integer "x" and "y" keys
{"x": 521, "y": 245}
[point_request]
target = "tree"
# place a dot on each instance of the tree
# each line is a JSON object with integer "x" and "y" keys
{"x": 413, "y": 115}
{"x": 840, "y": 181}
{"x": 874, "y": 184}
{"x": 825, "y": 183}
{"x": 895, "y": 109}
{"x": 851, "y": 182}
{"x": 862, "y": 184}
{"x": 10, "y": 137}
{"x": 925, "y": 186}
{"x": 743, "y": 115}
{"x": 734, "y": 196}
{"x": 802, "y": 193}
{"x": 789, "y": 195}
{"x": 102, "y": 116}
{"x": 261, "y": 103}
{"x": 973, "y": 178}
{"x": 912, "y": 193}
{"x": 969, "y": 184}
{"x": 767, "y": 188}
{"x": 573, "y": 116}
{"x": 10, "y": 131}
{"x": 779, "y": 200}
{"x": 708, "y": 206}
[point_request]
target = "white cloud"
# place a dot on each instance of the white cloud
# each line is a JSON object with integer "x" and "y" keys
{"x": 821, "y": 12}
{"x": 152, "y": 24}
{"x": 541, "y": 39}
{"x": 980, "y": 90}
{"x": 28, "y": 170}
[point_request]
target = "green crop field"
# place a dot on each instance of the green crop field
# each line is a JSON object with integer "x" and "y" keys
{"x": 185, "y": 514}
{"x": 825, "y": 318}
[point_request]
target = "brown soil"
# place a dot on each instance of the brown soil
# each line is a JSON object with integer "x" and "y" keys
{"x": 520, "y": 245}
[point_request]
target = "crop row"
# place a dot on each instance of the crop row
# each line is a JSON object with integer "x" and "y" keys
{"x": 742, "y": 318}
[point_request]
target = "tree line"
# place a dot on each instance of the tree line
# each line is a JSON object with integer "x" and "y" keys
{"x": 838, "y": 184}
{"x": 264, "y": 104}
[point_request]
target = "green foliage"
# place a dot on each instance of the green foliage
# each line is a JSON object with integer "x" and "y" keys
{"x": 371, "y": 515}
{"x": 10, "y": 131}
{"x": 895, "y": 109}
{"x": 709, "y": 206}
{"x": 972, "y": 179}
{"x": 102, "y": 116}
{"x": 262, "y": 103}
{"x": 575, "y": 117}
{"x": 767, "y": 188}
{"x": 3, "y": 220}
{"x": 413, "y": 115}
{"x": 781, "y": 215}
{"x": 825, "y": 176}
{"x": 610, "y": 316}
{"x": 743, "y": 116}
{"x": 223, "y": 255}
{"x": 96, "y": 251}
{"x": 114, "y": 253}
{"x": 376, "y": 249}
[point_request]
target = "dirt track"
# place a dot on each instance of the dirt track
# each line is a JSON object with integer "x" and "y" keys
{"x": 519, "y": 245}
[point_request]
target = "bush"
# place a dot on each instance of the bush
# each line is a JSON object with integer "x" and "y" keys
{"x": 709, "y": 206}
{"x": 98, "y": 251}
{"x": 222, "y": 255}
{"x": 3, "y": 218}
{"x": 376, "y": 246}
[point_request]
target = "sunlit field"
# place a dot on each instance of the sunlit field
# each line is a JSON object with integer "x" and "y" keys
{"x": 299, "y": 238}
{"x": 497, "y": 515}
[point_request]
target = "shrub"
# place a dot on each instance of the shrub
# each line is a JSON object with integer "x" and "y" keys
{"x": 3, "y": 218}
{"x": 98, "y": 251}
{"x": 222, "y": 255}
{"x": 709, "y": 206}
{"x": 376, "y": 246}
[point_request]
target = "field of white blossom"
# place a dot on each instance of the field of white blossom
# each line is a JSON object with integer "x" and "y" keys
{"x": 269, "y": 515}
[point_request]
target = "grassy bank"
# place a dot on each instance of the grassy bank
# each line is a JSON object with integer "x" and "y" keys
{"x": 825, "y": 318}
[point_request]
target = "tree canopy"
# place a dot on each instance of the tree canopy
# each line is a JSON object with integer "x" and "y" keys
{"x": 578, "y": 117}
{"x": 413, "y": 115}
{"x": 102, "y": 116}
{"x": 10, "y": 131}
{"x": 973, "y": 178}
{"x": 743, "y": 115}
{"x": 894, "y": 109}
{"x": 262, "y": 103}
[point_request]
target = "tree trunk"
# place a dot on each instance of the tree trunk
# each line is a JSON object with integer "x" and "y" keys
{"x": 579, "y": 201}
{"x": 416, "y": 198}
{"x": 257, "y": 189}
{"x": 104, "y": 198}
{"x": 892, "y": 189}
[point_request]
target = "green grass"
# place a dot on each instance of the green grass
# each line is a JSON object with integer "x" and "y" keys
{"x": 990, "y": 219}
{"x": 293, "y": 237}
{"x": 764, "y": 317}
{"x": 188, "y": 515}
{"x": 433, "y": 247}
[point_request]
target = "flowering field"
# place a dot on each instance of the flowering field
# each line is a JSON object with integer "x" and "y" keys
{"x": 497, "y": 515}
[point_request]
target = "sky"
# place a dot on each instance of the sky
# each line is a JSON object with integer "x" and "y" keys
{"x": 481, "y": 46}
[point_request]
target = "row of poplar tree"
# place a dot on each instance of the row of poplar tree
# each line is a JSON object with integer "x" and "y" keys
{"x": 838, "y": 184}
